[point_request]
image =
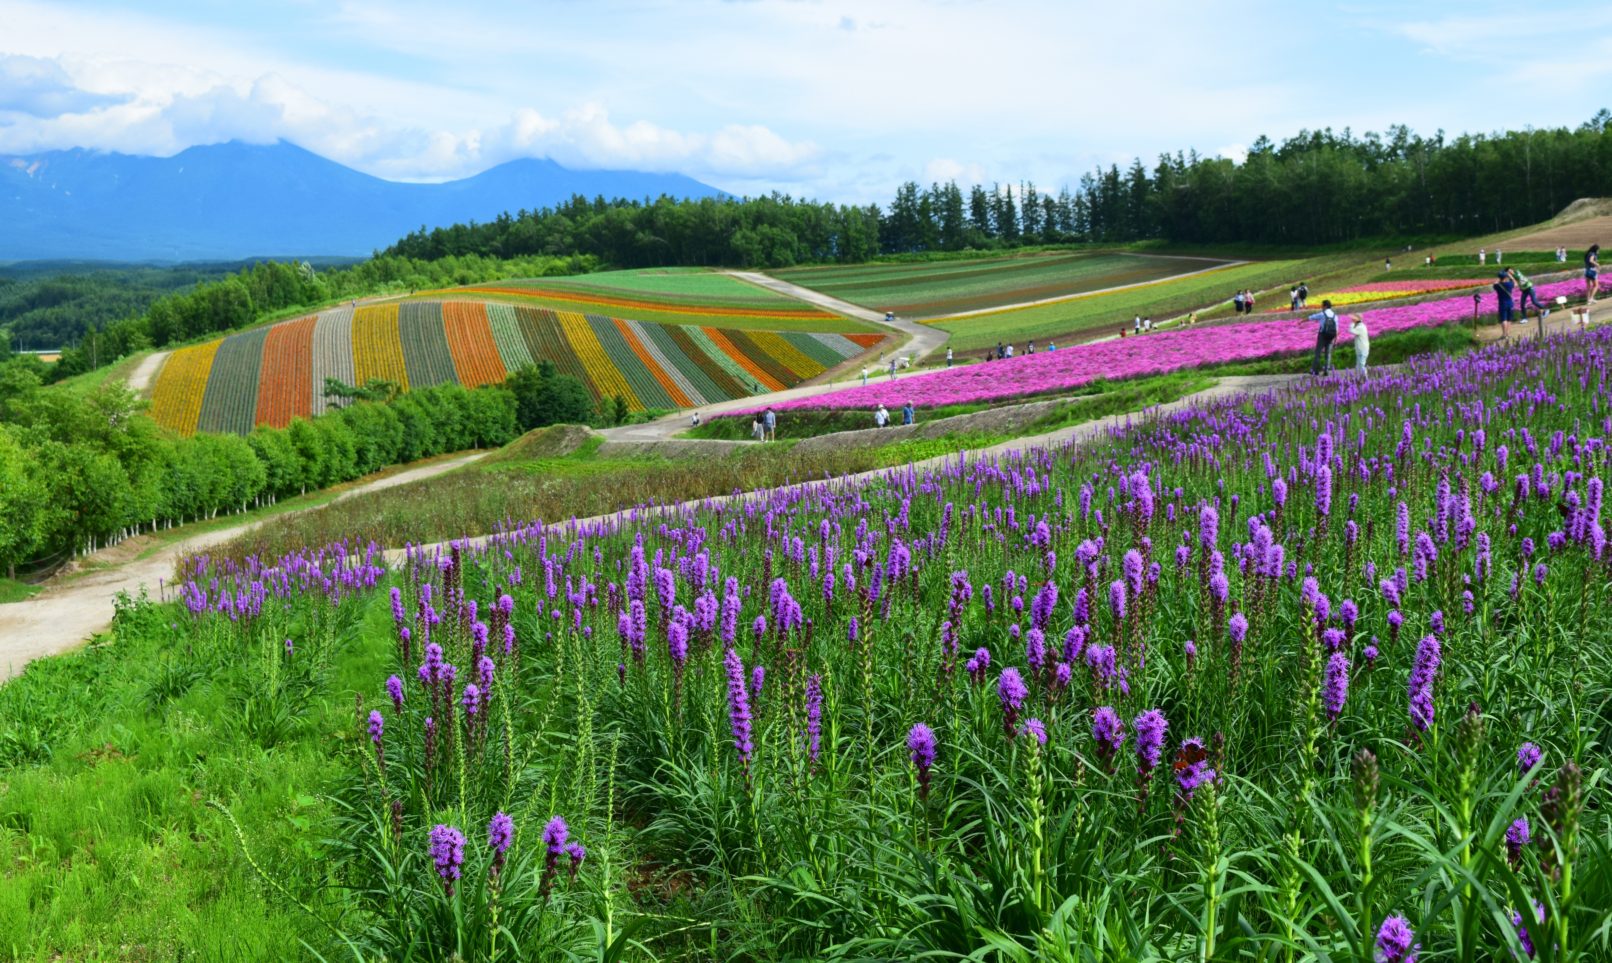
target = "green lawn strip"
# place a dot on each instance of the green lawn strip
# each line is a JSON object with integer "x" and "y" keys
{"x": 674, "y": 285}
{"x": 110, "y": 757}
{"x": 931, "y": 289}
{"x": 758, "y": 322}
{"x": 12, "y": 590}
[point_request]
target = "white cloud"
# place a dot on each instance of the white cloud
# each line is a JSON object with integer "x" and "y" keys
{"x": 41, "y": 88}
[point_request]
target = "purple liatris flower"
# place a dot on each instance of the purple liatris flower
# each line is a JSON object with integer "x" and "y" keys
{"x": 1396, "y": 941}
{"x": 677, "y": 643}
{"x": 1150, "y": 727}
{"x": 377, "y": 726}
{"x": 1518, "y": 836}
{"x": 555, "y": 835}
{"x": 500, "y": 834}
{"x": 472, "y": 700}
{"x": 1116, "y": 599}
{"x": 1108, "y": 731}
{"x": 1528, "y": 756}
{"x": 1423, "y": 671}
{"x": 394, "y": 688}
{"x": 1523, "y": 938}
{"x": 1036, "y": 729}
{"x": 1011, "y": 690}
{"x": 921, "y": 744}
{"x": 448, "y": 853}
{"x": 1335, "y": 685}
{"x": 814, "y": 716}
{"x": 978, "y": 664}
{"x": 577, "y": 853}
{"x": 1035, "y": 650}
{"x": 1237, "y": 628}
{"x": 758, "y": 678}
{"x": 1192, "y": 768}
{"x": 738, "y": 706}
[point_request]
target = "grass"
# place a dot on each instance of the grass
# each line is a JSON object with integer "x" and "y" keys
{"x": 12, "y": 590}
{"x": 670, "y": 296}
{"x": 109, "y": 758}
{"x": 929, "y": 289}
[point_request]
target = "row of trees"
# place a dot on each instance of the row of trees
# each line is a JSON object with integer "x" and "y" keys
{"x": 79, "y": 472}
{"x": 1317, "y": 187}
{"x": 268, "y": 287}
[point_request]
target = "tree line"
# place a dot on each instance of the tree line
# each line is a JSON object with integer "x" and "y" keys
{"x": 83, "y": 471}
{"x": 1318, "y": 187}
{"x": 265, "y": 288}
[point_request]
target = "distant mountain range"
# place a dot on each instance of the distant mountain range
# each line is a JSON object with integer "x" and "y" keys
{"x": 234, "y": 200}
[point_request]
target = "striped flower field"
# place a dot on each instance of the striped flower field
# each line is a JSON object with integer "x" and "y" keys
{"x": 270, "y": 375}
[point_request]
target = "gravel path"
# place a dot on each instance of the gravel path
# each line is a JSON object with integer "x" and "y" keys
{"x": 146, "y": 372}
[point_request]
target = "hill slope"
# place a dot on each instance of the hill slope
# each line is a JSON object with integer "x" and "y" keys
{"x": 238, "y": 200}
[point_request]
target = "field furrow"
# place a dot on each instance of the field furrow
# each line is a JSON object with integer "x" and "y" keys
{"x": 606, "y": 377}
{"x": 332, "y": 355}
{"x": 230, "y": 403}
{"x": 425, "y": 346}
{"x": 541, "y": 329}
{"x": 506, "y": 328}
{"x": 378, "y": 347}
{"x": 635, "y": 365}
{"x": 176, "y": 399}
{"x": 744, "y": 383}
{"x": 671, "y": 361}
{"x": 285, "y": 388}
{"x": 745, "y": 351}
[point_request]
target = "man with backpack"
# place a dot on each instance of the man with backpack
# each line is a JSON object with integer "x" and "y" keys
{"x": 1502, "y": 293}
{"x": 1326, "y": 333}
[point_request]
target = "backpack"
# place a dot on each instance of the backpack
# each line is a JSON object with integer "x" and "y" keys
{"x": 1329, "y": 325}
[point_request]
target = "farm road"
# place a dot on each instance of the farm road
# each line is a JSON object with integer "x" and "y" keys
{"x": 64, "y": 616}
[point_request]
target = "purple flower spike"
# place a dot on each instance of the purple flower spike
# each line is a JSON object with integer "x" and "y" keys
{"x": 1518, "y": 836}
{"x": 1011, "y": 690}
{"x": 738, "y": 707}
{"x": 921, "y": 745}
{"x": 1108, "y": 732}
{"x": 1335, "y": 685}
{"x": 500, "y": 834}
{"x": 1396, "y": 941}
{"x": 1423, "y": 672}
{"x": 448, "y": 853}
{"x": 377, "y": 726}
{"x": 1036, "y": 729}
{"x": 1528, "y": 756}
{"x": 1150, "y": 727}
{"x": 394, "y": 688}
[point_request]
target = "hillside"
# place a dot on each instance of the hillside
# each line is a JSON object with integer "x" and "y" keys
{"x": 270, "y": 375}
{"x": 236, "y": 200}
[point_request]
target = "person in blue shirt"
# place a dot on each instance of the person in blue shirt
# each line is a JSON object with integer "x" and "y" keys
{"x": 1502, "y": 293}
{"x": 908, "y": 415}
{"x": 1326, "y": 333}
{"x": 769, "y": 426}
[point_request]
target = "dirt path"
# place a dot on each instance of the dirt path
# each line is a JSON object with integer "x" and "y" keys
{"x": 140, "y": 381}
{"x": 64, "y": 616}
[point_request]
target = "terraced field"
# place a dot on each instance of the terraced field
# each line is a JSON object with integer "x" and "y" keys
{"x": 664, "y": 295}
{"x": 934, "y": 289}
{"x": 1080, "y": 318}
{"x": 270, "y": 375}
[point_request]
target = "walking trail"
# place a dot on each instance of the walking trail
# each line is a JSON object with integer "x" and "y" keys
{"x": 77, "y": 608}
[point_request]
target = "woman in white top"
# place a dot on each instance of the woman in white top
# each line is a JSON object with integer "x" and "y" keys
{"x": 1357, "y": 327}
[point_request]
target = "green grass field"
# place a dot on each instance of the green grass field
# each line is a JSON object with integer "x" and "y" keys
{"x": 668, "y": 295}
{"x": 931, "y": 289}
{"x": 1078, "y": 319}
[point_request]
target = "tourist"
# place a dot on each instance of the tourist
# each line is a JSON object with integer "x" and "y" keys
{"x": 1561, "y": 255}
{"x": 892, "y": 368}
{"x": 1525, "y": 293}
{"x": 999, "y": 354}
{"x": 1592, "y": 273}
{"x": 1010, "y": 351}
{"x": 889, "y": 317}
{"x": 755, "y": 428}
{"x": 1499, "y": 255}
{"x": 881, "y": 416}
{"x": 1304, "y": 294}
{"x": 695, "y": 419}
{"x": 1502, "y": 293}
{"x": 1357, "y": 328}
{"x": 864, "y": 376}
{"x": 1147, "y": 323}
{"x": 1326, "y": 332}
{"x": 1030, "y": 347}
{"x": 1136, "y": 325}
{"x": 948, "y": 356}
{"x": 1388, "y": 264}
{"x": 1248, "y": 301}
{"x": 1236, "y": 303}
{"x": 1432, "y": 260}
{"x": 769, "y": 423}
{"x": 908, "y": 414}
{"x": 1293, "y": 298}
{"x": 1483, "y": 256}
{"x": 1051, "y": 347}
{"x": 1122, "y": 331}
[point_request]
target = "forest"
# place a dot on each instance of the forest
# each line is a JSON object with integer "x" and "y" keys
{"x": 1316, "y": 188}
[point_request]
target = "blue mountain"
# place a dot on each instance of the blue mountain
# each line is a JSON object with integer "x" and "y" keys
{"x": 235, "y": 200}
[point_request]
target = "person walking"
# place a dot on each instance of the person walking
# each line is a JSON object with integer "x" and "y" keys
{"x": 1136, "y": 325}
{"x": 948, "y": 356}
{"x": 1236, "y": 303}
{"x": 1525, "y": 293}
{"x": 1052, "y": 346}
{"x": 1592, "y": 273}
{"x": 1388, "y": 264}
{"x": 695, "y": 420}
{"x": 1357, "y": 328}
{"x": 1248, "y": 301}
{"x": 1010, "y": 351}
{"x": 1304, "y": 294}
{"x": 908, "y": 414}
{"x": 1030, "y": 347}
{"x": 1499, "y": 255}
{"x": 755, "y": 428}
{"x": 1325, "y": 334}
{"x": 1293, "y": 298}
{"x": 769, "y": 425}
{"x": 864, "y": 376}
{"x": 1502, "y": 293}
{"x": 881, "y": 416}
{"x": 892, "y": 368}
{"x": 999, "y": 354}
{"x": 1483, "y": 256}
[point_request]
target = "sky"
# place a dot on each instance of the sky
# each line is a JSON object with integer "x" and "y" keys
{"x": 838, "y": 100}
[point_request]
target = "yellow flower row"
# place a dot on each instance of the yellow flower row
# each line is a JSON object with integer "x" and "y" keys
{"x": 787, "y": 354}
{"x": 176, "y": 400}
{"x": 378, "y": 346}
{"x": 601, "y": 370}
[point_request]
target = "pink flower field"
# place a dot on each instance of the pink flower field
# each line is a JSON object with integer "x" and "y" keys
{"x": 1158, "y": 353}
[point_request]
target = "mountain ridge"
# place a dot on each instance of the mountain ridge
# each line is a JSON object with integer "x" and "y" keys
{"x": 235, "y": 200}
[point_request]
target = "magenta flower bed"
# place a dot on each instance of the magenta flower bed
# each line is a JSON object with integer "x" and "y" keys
{"x": 1159, "y": 353}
